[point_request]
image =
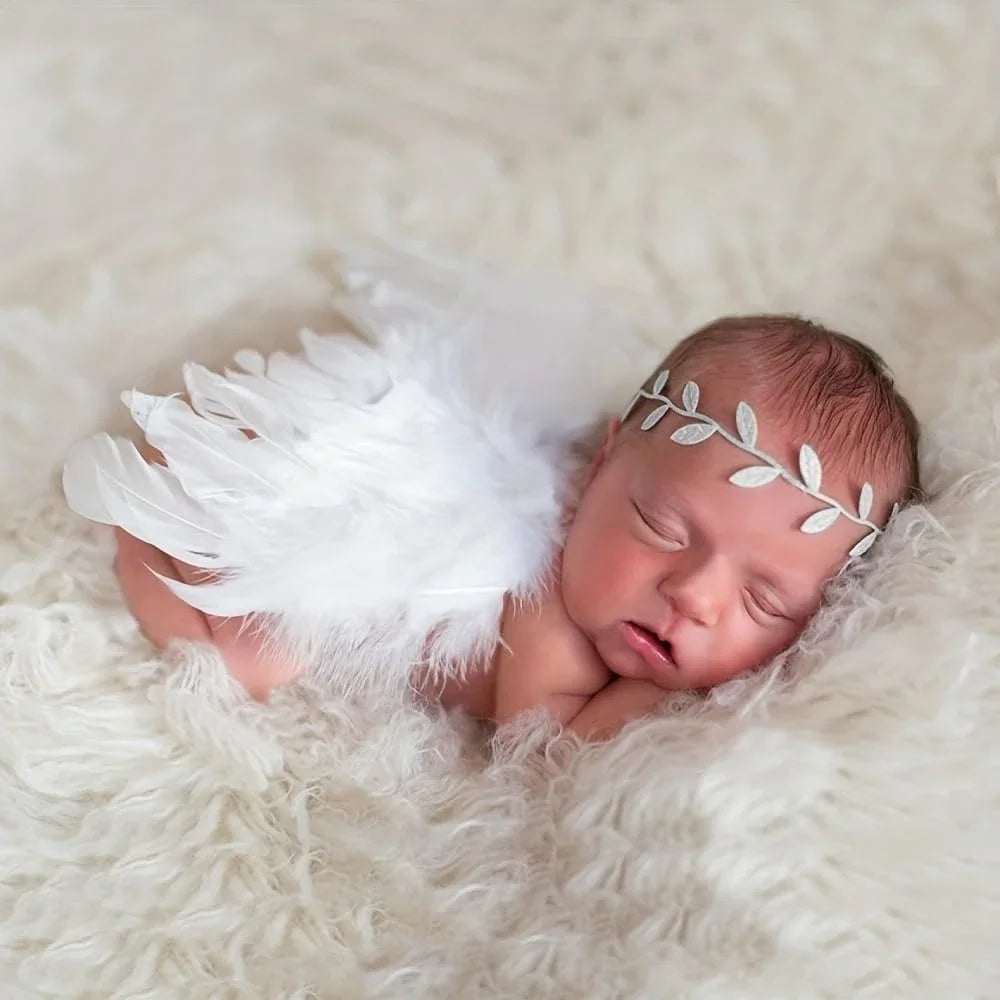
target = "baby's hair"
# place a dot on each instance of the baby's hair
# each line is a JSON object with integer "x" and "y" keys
{"x": 837, "y": 392}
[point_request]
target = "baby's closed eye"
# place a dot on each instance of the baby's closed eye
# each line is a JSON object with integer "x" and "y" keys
{"x": 664, "y": 530}
{"x": 761, "y": 606}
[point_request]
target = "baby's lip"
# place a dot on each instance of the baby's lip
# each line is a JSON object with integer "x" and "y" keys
{"x": 662, "y": 632}
{"x": 664, "y": 654}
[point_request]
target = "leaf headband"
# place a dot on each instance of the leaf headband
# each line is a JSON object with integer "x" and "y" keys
{"x": 810, "y": 470}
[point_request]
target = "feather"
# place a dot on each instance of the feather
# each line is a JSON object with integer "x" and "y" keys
{"x": 218, "y": 398}
{"x": 107, "y": 480}
{"x": 209, "y": 460}
{"x": 358, "y": 369}
{"x": 533, "y": 345}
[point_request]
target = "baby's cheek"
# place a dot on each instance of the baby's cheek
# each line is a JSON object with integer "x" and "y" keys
{"x": 589, "y": 581}
{"x": 634, "y": 567}
{"x": 728, "y": 651}
{"x": 770, "y": 645}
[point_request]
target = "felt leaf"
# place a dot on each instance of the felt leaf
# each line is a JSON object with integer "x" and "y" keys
{"x": 865, "y": 501}
{"x": 755, "y": 475}
{"x": 860, "y": 548}
{"x": 820, "y": 521}
{"x": 810, "y": 468}
{"x": 692, "y": 433}
{"x": 690, "y": 396}
{"x": 661, "y": 382}
{"x": 652, "y": 419}
{"x": 746, "y": 424}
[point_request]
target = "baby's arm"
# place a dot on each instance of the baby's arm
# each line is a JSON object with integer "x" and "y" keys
{"x": 523, "y": 684}
{"x": 623, "y": 700}
{"x": 544, "y": 661}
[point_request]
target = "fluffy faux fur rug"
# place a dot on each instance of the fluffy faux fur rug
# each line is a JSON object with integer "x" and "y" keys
{"x": 168, "y": 174}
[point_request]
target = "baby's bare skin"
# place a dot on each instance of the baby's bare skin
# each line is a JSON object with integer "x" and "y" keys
{"x": 670, "y": 577}
{"x": 497, "y": 690}
{"x": 542, "y": 659}
{"x": 543, "y": 662}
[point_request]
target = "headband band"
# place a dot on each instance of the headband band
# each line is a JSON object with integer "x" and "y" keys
{"x": 767, "y": 469}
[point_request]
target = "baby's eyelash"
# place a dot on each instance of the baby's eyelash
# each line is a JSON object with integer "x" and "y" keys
{"x": 764, "y": 607}
{"x": 658, "y": 529}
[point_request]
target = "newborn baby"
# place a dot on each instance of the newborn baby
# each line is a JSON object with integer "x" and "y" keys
{"x": 765, "y": 453}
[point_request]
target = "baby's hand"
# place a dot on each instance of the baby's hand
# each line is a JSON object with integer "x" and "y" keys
{"x": 612, "y": 707}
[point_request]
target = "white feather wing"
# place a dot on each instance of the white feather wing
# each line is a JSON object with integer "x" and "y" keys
{"x": 390, "y": 493}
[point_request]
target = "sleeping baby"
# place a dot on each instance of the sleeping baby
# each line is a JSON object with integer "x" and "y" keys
{"x": 761, "y": 457}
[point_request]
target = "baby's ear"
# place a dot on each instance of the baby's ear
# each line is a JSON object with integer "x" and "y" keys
{"x": 607, "y": 444}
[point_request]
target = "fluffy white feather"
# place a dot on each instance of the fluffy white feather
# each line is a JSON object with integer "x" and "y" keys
{"x": 316, "y": 486}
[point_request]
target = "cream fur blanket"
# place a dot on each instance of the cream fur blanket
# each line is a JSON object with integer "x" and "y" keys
{"x": 166, "y": 175}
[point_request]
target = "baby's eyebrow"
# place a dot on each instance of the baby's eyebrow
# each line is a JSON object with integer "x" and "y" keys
{"x": 652, "y": 497}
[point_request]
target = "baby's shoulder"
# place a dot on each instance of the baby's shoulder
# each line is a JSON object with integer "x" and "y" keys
{"x": 539, "y": 639}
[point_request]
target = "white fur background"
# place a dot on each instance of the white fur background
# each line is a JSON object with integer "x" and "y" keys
{"x": 167, "y": 173}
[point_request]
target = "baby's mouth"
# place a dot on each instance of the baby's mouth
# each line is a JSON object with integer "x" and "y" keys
{"x": 663, "y": 644}
{"x": 656, "y": 651}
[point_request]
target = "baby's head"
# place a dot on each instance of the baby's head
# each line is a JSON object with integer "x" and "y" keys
{"x": 682, "y": 566}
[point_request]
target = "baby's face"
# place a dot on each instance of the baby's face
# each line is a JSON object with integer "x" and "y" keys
{"x": 679, "y": 577}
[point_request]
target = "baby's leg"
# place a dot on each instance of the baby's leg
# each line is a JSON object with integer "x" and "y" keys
{"x": 257, "y": 664}
{"x": 163, "y": 616}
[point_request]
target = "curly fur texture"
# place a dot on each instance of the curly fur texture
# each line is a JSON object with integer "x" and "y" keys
{"x": 827, "y": 829}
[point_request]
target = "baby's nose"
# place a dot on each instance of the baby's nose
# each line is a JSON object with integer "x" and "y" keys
{"x": 700, "y": 606}
{"x": 697, "y": 593}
